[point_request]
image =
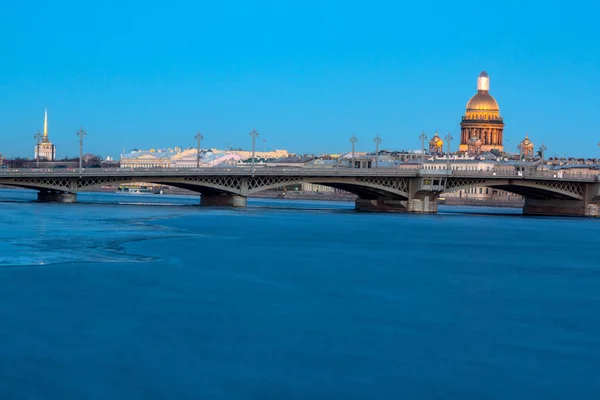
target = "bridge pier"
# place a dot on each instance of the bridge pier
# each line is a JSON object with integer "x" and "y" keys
{"x": 572, "y": 208}
{"x": 427, "y": 204}
{"x": 48, "y": 196}
{"x": 380, "y": 204}
{"x": 223, "y": 200}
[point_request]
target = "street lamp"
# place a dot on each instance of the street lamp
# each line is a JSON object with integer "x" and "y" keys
{"x": 253, "y": 135}
{"x": 543, "y": 148}
{"x": 449, "y": 139}
{"x": 423, "y": 138}
{"x": 198, "y": 137}
{"x": 377, "y": 141}
{"x": 520, "y": 163}
{"x": 353, "y": 140}
{"x": 81, "y": 133}
{"x": 37, "y": 138}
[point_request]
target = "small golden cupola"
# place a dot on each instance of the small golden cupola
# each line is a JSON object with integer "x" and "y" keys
{"x": 526, "y": 147}
{"x": 436, "y": 145}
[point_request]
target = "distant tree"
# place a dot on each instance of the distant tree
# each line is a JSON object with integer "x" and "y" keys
{"x": 90, "y": 160}
{"x": 17, "y": 162}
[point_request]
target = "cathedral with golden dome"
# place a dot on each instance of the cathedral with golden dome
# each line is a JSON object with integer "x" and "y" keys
{"x": 482, "y": 126}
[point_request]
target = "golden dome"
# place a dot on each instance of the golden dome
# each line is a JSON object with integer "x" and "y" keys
{"x": 482, "y": 101}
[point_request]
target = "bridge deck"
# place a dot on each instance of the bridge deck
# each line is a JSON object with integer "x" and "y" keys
{"x": 286, "y": 171}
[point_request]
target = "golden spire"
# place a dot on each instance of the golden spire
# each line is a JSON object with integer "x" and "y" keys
{"x": 46, "y": 123}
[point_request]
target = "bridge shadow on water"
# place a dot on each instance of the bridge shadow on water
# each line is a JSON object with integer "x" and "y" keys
{"x": 254, "y": 204}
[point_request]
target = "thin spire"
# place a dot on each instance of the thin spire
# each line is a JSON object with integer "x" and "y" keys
{"x": 46, "y": 123}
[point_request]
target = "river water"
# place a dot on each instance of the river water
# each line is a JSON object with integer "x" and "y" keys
{"x": 153, "y": 297}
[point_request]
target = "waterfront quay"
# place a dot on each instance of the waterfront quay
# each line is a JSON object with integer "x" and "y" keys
{"x": 378, "y": 189}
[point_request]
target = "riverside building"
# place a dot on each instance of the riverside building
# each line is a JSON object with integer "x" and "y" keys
{"x": 187, "y": 158}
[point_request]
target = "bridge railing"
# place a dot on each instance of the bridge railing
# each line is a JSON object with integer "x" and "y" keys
{"x": 240, "y": 171}
{"x": 558, "y": 175}
{"x": 298, "y": 171}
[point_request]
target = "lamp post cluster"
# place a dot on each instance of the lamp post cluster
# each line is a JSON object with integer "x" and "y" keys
{"x": 449, "y": 140}
{"x": 37, "y": 138}
{"x": 354, "y": 140}
{"x": 198, "y": 137}
{"x": 423, "y": 138}
{"x": 81, "y": 133}
{"x": 377, "y": 141}
{"x": 254, "y": 134}
{"x": 543, "y": 149}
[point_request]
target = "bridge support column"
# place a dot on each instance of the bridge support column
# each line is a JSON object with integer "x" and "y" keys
{"x": 47, "y": 196}
{"x": 380, "y": 204}
{"x": 423, "y": 194}
{"x": 426, "y": 204}
{"x": 579, "y": 208}
{"x": 223, "y": 200}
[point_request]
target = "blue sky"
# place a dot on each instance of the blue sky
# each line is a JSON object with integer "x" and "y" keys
{"x": 306, "y": 74}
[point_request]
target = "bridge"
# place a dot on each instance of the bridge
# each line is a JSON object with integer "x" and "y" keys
{"x": 378, "y": 189}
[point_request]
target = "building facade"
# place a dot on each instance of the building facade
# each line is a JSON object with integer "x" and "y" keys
{"x": 482, "y": 126}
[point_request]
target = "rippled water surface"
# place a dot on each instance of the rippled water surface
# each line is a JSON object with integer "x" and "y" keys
{"x": 153, "y": 297}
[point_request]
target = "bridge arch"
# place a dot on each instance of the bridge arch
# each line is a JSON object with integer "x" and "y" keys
{"x": 207, "y": 185}
{"x": 536, "y": 189}
{"x": 360, "y": 186}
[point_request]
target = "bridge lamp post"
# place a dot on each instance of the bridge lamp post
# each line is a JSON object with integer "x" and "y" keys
{"x": 253, "y": 135}
{"x": 377, "y": 141}
{"x": 449, "y": 139}
{"x": 37, "y": 138}
{"x": 81, "y": 134}
{"x": 199, "y": 138}
{"x": 353, "y": 140}
{"x": 543, "y": 148}
{"x": 520, "y": 163}
{"x": 423, "y": 138}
